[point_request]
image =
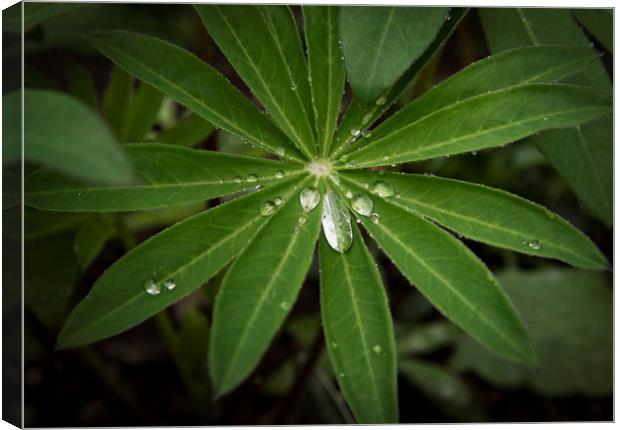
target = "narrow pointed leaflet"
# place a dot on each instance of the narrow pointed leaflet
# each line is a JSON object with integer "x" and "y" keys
{"x": 490, "y": 216}
{"x": 167, "y": 176}
{"x": 259, "y": 290}
{"x": 485, "y": 121}
{"x": 450, "y": 276}
{"x": 358, "y": 331}
{"x": 325, "y": 69}
{"x": 167, "y": 267}
{"x": 195, "y": 84}
{"x": 250, "y": 40}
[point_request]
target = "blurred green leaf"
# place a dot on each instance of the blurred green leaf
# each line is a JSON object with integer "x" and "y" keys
{"x": 117, "y": 99}
{"x": 81, "y": 84}
{"x": 188, "y": 131}
{"x": 380, "y": 43}
{"x": 569, "y": 314}
{"x": 34, "y": 14}
{"x": 599, "y": 22}
{"x": 91, "y": 238}
{"x": 425, "y": 338}
{"x": 142, "y": 113}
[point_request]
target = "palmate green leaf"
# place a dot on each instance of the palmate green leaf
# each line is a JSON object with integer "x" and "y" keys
{"x": 589, "y": 167}
{"x": 360, "y": 116}
{"x": 380, "y": 43}
{"x": 491, "y": 216}
{"x": 599, "y": 22}
{"x": 116, "y": 100}
{"x": 258, "y": 291}
{"x": 485, "y": 121}
{"x": 519, "y": 66}
{"x": 450, "y": 276}
{"x": 141, "y": 113}
{"x": 325, "y": 69}
{"x": 188, "y": 254}
{"x": 189, "y": 131}
{"x": 358, "y": 331}
{"x": 168, "y": 176}
{"x": 506, "y": 28}
{"x": 195, "y": 84}
{"x": 272, "y": 67}
{"x": 65, "y": 135}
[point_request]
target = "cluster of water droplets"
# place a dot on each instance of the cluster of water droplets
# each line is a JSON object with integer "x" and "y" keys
{"x": 154, "y": 288}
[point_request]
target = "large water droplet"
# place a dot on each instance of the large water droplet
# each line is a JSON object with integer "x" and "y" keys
{"x": 336, "y": 221}
{"x": 170, "y": 284}
{"x": 279, "y": 174}
{"x": 252, "y": 178}
{"x": 383, "y": 189}
{"x": 309, "y": 198}
{"x": 152, "y": 287}
{"x": 267, "y": 208}
{"x": 362, "y": 204}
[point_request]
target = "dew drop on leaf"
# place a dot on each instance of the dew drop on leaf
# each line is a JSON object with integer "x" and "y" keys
{"x": 280, "y": 151}
{"x": 366, "y": 118}
{"x": 170, "y": 284}
{"x": 374, "y": 217}
{"x": 252, "y": 178}
{"x": 381, "y": 101}
{"x": 344, "y": 158}
{"x": 336, "y": 221}
{"x": 348, "y": 194}
{"x": 362, "y": 204}
{"x": 237, "y": 179}
{"x": 302, "y": 219}
{"x": 534, "y": 244}
{"x": 377, "y": 349}
{"x": 383, "y": 189}
{"x": 397, "y": 195}
{"x": 279, "y": 201}
{"x": 355, "y": 132}
{"x": 334, "y": 345}
{"x": 284, "y": 306}
{"x": 152, "y": 287}
{"x": 366, "y": 185}
{"x": 267, "y": 208}
{"x": 279, "y": 174}
{"x": 309, "y": 198}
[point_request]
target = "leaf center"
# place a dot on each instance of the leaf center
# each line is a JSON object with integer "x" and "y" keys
{"x": 320, "y": 168}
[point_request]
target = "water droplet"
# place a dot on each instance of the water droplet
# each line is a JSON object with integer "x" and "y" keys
{"x": 309, "y": 198}
{"x": 366, "y": 118}
{"x": 258, "y": 187}
{"x": 341, "y": 374}
{"x": 152, "y": 287}
{"x": 397, "y": 195}
{"x": 293, "y": 87}
{"x": 267, "y": 208}
{"x": 280, "y": 151}
{"x": 534, "y": 244}
{"x": 348, "y": 194}
{"x": 546, "y": 118}
{"x": 355, "y": 132}
{"x": 221, "y": 181}
{"x": 279, "y": 201}
{"x": 374, "y": 217}
{"x": 284, "y": 306}
{"x": 377, "y": 349}
{"x": 336, "y": 221}
{"x": 237, "y": 179}
{"x": 279, "y": 174}
{"x": 352, "y": 164}
{"x": 170, "y": 284}
{"x": 550, "y": 215}
{"x": 381, "y": 101}
{"x": 334, "y": 345}
{"x": 366, "y": 185}
{"x": 362, "y": 204}
{"x": 344, "y": 158}
{"x": 302, "y": 219}
{"x": 474, "y": 152}
{"x": 252, "y": 178}
{"x": 383, "y": 189}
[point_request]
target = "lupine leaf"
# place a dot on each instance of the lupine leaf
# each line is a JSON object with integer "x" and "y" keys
{"x": 258, "y": 291}
{"x": 189, "y": 253}
{"x": 358, "y": 331}
{"x": 451, "y": 277}
{"x": 68, "y": 137}
{"x": 380, "y": 43}
{"x": 599, "y": 22}
{"x": 268, "y": 65}
{"x": 519, "y": 66}
{"x": 360, "y": 116}
{"x": 189, "y": 131}
{"x": 491, "y": 216}
{"x": 488, "y": 120}
{"x": 168, "y": 176}
{"x": 141, "y": 113}
{"x": 583, "y": 168}
{"x": 81, "y": 84}
{"x": 325, "y": 69}
{"x": 195, "y": 84}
